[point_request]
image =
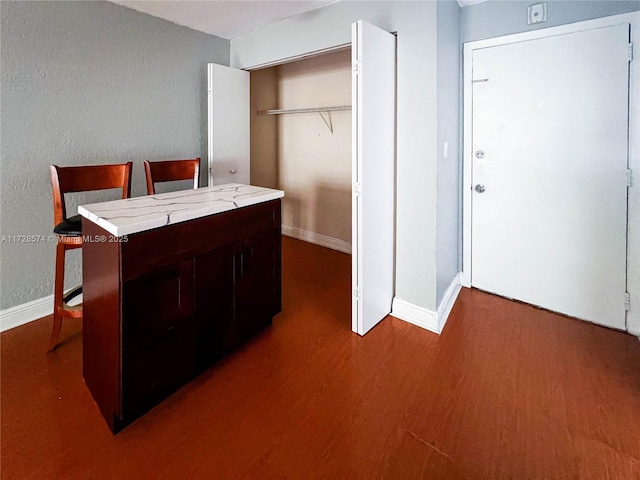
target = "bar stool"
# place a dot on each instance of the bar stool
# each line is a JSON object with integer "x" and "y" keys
{"x": 170, "y": 170}
{"x": 69, "y": 230}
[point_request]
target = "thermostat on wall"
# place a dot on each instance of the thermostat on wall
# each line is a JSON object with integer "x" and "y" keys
{"x": 537, "y": 13}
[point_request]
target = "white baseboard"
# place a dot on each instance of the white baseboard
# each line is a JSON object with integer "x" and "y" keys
{"x": 420, "y": 316}
{"x": 448, "y": 300}
{"x": 423, "y": 317}
{"x": 25, "y": 313}
{"x": 317, "y": 238}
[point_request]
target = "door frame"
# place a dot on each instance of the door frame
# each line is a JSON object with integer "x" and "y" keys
{"x": 633, "y": 202}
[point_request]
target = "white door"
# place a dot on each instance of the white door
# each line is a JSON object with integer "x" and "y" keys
{"x": 228, "y": 125}
{"x": 373, "y": 174}
{"x": 549, "y": 178}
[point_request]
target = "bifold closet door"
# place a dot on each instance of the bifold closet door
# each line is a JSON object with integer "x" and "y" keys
{"x": 373, "y": 174}
{"x": 228, "y": 125}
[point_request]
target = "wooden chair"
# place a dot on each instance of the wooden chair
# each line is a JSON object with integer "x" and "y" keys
{"x": 170, "y": 170}
{"x": 69, "y": 230}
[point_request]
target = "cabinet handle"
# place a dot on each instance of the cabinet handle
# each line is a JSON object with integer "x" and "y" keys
{"x": 247, "y": 260}
{"x": 242, "y": 263}
{"x": 237, "y": 265}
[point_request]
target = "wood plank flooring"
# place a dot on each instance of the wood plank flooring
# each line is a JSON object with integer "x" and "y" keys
{"x": 507, "y": 392}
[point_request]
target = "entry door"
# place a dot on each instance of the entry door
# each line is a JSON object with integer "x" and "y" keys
{"x": 373, "y": 174}
{"x": 228, "y": 125}
{"x": 549, "y": 199}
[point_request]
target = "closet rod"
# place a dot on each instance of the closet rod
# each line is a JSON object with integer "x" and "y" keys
{"x": 304, "y": 110}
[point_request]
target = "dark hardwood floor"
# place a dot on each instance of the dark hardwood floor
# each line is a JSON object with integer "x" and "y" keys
{"x": 507, "y": 392}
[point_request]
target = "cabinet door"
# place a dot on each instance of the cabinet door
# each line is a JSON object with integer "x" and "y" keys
{"x": 214, "y": 298}
{"x": 236, "y": 295}
{"x": 157, "y": 336}
{"x": 255, "y": 295}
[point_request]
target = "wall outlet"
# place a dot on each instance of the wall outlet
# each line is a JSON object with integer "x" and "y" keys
{"x": 536, "y": 13}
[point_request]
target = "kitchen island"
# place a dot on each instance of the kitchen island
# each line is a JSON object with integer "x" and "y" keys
{"x": 171, "y": 283}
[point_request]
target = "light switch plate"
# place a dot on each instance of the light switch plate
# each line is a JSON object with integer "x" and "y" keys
{"x": 536, "y": 13}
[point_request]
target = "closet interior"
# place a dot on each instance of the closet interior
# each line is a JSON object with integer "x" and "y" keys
{"x": 300, "y": 124}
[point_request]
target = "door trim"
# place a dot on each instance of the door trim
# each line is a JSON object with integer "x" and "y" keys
{"x": 296, "y": 58}
{"x": 633, "y": 216}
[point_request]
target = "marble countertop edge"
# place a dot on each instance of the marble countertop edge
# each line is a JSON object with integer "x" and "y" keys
{"x": 125, "y": 217}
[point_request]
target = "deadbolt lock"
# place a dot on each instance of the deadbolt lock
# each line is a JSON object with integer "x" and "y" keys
{"x": 480, "y": 188}
{"x": 479, "y": 154}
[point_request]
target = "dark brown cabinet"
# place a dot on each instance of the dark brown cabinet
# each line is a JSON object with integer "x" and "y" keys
{"x": 235, "y": 294}
{"x": 167, "y": 303}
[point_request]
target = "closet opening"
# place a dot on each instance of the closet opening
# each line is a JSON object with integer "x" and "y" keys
{"x": 336, "y": 165}
{"x": 301, "y": 142}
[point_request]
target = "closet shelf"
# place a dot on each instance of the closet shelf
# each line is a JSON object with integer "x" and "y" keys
{"x": 285, "y": 111}
{"x": 318, "y": 110}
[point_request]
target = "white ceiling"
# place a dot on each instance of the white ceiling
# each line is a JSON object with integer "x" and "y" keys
{"x": 228, "y": 18}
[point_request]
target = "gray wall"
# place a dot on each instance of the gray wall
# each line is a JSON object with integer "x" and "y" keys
{"x": 448, "y": 112}
{"x": 87, "y": 83}
{"x": 496, "y": 18}
{"x": 415, "y": 24}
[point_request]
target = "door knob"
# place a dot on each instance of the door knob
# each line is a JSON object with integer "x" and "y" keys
{"x": 480, "y": 188}
{"x": 233, "y": 170}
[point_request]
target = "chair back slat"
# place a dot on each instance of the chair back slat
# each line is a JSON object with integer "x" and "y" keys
{"x": 87, "y": 178}
{"x": 171, "y": 170}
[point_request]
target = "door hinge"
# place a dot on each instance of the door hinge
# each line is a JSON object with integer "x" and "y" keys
{"x": 356, "y": 189}
{"x": 357, "y": 66}
{"x": 627, "y": 301}
{"x": 629, "y": 178}
{"x": 357, "y": 293}
{"x": 630, "y": 54}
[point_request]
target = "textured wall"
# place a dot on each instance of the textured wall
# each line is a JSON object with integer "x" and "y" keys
{"x": 87, "y": 83}
{"x": 415, "y": 24}
{"x": 447, "y": 207}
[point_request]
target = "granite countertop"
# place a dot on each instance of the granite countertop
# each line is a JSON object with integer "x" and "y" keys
{"x": 133, "y": 215}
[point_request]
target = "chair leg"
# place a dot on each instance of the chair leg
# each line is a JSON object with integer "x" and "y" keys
{"x": 58, "y": 290}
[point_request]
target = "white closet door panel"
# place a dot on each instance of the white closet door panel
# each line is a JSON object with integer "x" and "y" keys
{"x": 228, "y": 109}
{"x": 373, "y": 174}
